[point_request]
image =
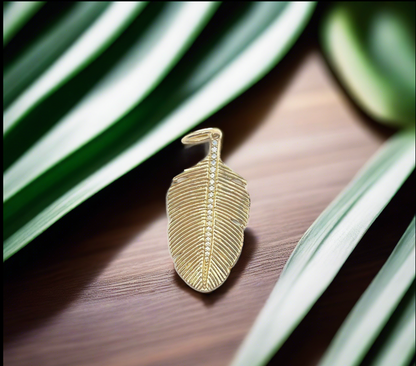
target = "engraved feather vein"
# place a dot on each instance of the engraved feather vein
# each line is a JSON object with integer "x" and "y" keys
{"x": 186, "y": 204}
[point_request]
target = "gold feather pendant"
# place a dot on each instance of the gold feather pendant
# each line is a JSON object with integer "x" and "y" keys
{"x": 208, "y": 207}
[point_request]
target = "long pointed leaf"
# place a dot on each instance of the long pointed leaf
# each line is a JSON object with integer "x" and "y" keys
{"x": 373, "y": 310}
{"x": 45, "y": 50}
{"x": 94, "y": 40}
{"x": 324, "y": 248}
{"x": 16, "y": 14}
{"x": 148, "y": 61}
{"x": 398, "y": 343}
{"x": 197, "y": 101}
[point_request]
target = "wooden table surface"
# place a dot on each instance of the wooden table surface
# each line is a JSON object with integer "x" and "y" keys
{"x": 99, "y": 287}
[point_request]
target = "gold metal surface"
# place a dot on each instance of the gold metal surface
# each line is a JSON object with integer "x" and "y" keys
{"x": 208, "y": 207}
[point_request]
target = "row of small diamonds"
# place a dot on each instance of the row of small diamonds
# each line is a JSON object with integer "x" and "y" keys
{"x": 211, "y": 197}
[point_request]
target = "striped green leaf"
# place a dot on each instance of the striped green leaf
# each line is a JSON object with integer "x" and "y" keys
{"x": 146, "y": 63}
{"x": 106, "y": 28}
{"x": 15, "y": 15}
{"x": 319, "y": 254}
{"x": 396, "y": 344}
{"x": 222, "y": 65}
{"x": 375, "y": 307}
{"x": 45, "y": 50}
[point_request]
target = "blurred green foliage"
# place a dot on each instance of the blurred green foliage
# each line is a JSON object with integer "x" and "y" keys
{"x": 371, "y": 48}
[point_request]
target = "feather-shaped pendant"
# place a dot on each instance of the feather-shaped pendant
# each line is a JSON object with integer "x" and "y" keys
{"x": 208, "y": 207}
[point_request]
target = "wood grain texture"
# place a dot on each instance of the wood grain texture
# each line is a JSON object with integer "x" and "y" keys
{"x": 99, "y": 287}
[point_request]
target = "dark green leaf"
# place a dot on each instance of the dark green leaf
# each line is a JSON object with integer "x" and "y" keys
{"x": 15, "y": 15}
{"x": 106, "y": 28}
{"x": 146, "y": 63}
{"x": 222, "y": 65}
{"x": 46, "y": 49}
